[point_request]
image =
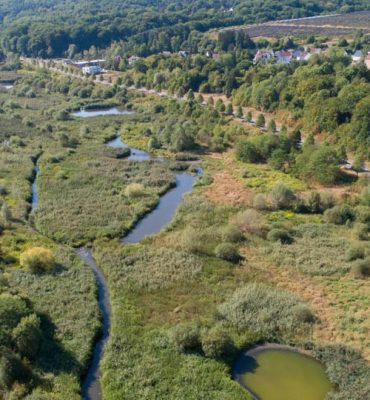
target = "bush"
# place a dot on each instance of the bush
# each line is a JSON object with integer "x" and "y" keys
{"x": 134, "y": 190}
{"x": 37, "y": 260}
{"x": 280, "y": 235}
{"x": 228, "y": 252}
{"x": 339, "y": 215}
{"x": 363, "y": 214}
{"x": 250, "y": 221}
{"x": 232, "y": 234}
{"x": 186, "y": 337}
{"x": 303, "y": 314}
{"x": 247, "y": 152}
{"x": 27, "y": 336}
{"x": 361, "y": 269}
{"x": 361, "y": 231}
{"x": 282, "y": 196}
{"x": 355, "y": 252}
{"x": 216, "y": 343}
{"x": 260, "y": 202}
{"x": 11, "y": 370}
{"x": 264, "y": 310}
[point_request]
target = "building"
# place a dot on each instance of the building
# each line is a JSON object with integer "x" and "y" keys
{"x": 263, "y": 56}
{"x": 367, "y": 61}
{"x": 357, "y": 56}
{"x": 132, "y": 60}
{"x": 92, "y": 70}
{"x": 284, "y": 57}
{"x": 91, "y": 63}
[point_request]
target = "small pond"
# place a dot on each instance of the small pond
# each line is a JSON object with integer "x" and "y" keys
{"x": 101, "y": 112}
{"x": 273, "y": 372}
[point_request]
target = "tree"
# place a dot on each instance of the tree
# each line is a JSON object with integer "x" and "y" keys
{"x": 216, "y": 342}
{"x": 190, "y": 95}
{"x": 271, "y": 127}
{"x": 260, "y": 122}
{"x": 27, "y": 336}
{"x": 239, "y": 112}
{"x": 220, "y": 106}
{"x": 6, "y": 214}
{"x": 37, "y": 260}
{"x": 249, "y": 116}
{"x": 247, "y": 152}
{"x": 229, "y": 109}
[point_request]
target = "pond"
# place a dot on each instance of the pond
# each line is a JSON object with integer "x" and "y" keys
{"x": 273, "y": 372}
{"x": 101, "y": 112}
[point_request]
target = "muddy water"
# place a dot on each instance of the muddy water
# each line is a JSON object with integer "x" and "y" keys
{"x": 280, "y": 373}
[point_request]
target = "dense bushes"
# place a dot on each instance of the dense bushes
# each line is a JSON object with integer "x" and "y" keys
{"x": 280, "y": 235}
{"x": 228, "y": 252}
{"x": 263, "y": 309}
{"x": 340, "y": 214}
{"x": 37, "y": 260}
{"x": 361, "y": 268}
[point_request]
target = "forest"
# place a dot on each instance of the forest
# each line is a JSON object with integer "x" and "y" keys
{"x": 48, "y": 28}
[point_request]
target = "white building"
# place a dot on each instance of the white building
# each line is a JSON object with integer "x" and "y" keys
{"x": 92, "y": 70}
{"x": 367, "y": 61}
{"x": 357, "y": 56}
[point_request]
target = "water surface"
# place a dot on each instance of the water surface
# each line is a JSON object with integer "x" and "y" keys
{"x": 162, "y": 215}
{"x": 91, "y": 389}
{"x": 101, "y": 112}
{"x": 136, "y": 154}
{"x": 280, "y": 373}
{"x": 35, "y": 197}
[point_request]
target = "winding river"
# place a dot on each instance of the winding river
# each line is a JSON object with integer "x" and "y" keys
{"x": 150, "y": 224}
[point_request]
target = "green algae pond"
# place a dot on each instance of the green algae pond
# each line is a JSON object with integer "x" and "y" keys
{"x": 280, "y": 373}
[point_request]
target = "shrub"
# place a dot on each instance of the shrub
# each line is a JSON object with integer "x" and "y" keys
{"x": 361, "y": 269}
{"x": 247, "y": 152}
{"x": 280, "y": 235}
{"x": 361, "y": 231}
{"x": 11, "y": 370}
{"x": 37, "y": 260}
{"x": 216, "y": 342}
{"x": 250, "y": 221}
{"x": 134, "y": 190}
{"x": 264, "y": 310}
{"x": 27, "y": 336}
{"x": 339, "y": 215}
{"x": 260, "y": 202}
{"x": 228, "y": 252}
{"x": 232, "y": 234}
{"x": 302, "y": 313}
{"x": 355, "y": 252}
{"x": 186, "y": 337}
{"x": 363, "y": 214}
{"x": 282, "y": 196}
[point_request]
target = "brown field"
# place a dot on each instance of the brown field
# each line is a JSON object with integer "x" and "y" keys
{"x": 329, "y": 26}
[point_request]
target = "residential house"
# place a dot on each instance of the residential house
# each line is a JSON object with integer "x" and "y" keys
{"x": 284, "y": 57}
{"x": 357, "y": 56}
{"x": 367, "y": 61}
{"x": 132, "y": 60}
{"x": 263, "y": 56}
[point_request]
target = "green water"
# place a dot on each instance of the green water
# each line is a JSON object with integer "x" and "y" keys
{"x": 284, "y": 375}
